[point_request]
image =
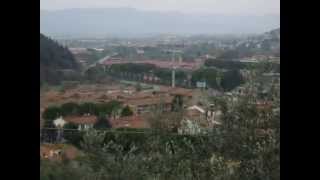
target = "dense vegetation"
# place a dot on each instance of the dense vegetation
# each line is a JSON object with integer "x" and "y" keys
{"x": 131, "y": 53}
{"x": 237, "y": 65}
{"x": 215, "y": 78}
{"x": 132, "y": 68}
{"x": 136, "y": 72}
{"x": 245, "y": 146}
{"x": 55, "y": 58}
{"x": 224, "y": 64}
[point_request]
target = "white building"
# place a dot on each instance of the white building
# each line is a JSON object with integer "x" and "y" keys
{"x": 83, "y": 122}
{"x": 60, "y": 122}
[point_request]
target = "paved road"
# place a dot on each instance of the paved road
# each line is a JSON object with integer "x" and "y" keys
{"x": 100, "y": 61}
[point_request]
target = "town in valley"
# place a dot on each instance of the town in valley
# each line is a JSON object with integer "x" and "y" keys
{"x": 158, "y": 105}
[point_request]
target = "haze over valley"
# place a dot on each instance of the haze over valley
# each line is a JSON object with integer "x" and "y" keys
{"x": 128, "y": 22}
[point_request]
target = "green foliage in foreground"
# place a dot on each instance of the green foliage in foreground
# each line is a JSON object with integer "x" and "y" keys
{"x": 245, "y": 146}
{"x": 234, "y": 150}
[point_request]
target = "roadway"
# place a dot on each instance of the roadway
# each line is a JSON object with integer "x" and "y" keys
{"x": 100, "y": 61}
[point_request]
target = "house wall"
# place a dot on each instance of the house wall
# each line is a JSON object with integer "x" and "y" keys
{"x": 82, "y": 127}
{"x": 149, "y": 108}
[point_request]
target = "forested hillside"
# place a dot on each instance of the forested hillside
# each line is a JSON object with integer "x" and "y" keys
{"x": 54, "y": 60}
{"x": 266, "y": 43}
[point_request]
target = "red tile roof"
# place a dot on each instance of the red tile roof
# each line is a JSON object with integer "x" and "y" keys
{"x": 134, "y": 121}
{"x": 150, "y": 101}
{"x": 81, "y": 119}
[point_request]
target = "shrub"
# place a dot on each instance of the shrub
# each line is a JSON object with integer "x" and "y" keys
{"x": 126, "y": 111}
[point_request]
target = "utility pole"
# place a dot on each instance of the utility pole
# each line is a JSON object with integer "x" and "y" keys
{"x": 174, "y": 66}
{"x": 173, "y": 78}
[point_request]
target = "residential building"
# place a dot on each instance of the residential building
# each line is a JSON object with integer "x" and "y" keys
{"x": 135, "y": 121}
{"x": 83, "y": 122}
{"x": 146, "y": 105}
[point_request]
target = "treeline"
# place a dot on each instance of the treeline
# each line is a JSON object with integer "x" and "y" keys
{"x": 132, "y": 53}
{"x": 72, "y": 108}
{"x": 227, "y": 80}
{"x": 55, "y": 58}
{"x": 237, "y": 65}
{"x": 101, "y": 110}
{"x": 226, "y": 64}
{"x": 214, "y": 78}
{"x": 132, "y": 68}
{"x": 137, "y": 72}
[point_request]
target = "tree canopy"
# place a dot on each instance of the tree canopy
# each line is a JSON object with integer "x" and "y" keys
{"x": 126, "y": 111}
{"x": 53, "y": 59}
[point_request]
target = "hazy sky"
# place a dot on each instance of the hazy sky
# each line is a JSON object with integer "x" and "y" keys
{"x": 258, "y": 7}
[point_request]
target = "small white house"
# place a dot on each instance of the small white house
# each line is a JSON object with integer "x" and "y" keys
{"x": 60, "y": 122}
{"x": 83, "y": 122}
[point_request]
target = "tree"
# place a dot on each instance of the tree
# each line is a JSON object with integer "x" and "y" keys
{"x": 70, "y": 126}
{"x": 95, "y": 74}
{"x": 102, "y": 123}
{"x": 51, "y": 113}
{"x": 231, "y": 79}
{"x": 126, "y": 111}
{"x": 177, "y": 103}
{"x": 225, "y": 64}
{"x": 53, "y": 58}
{"x": 105, "y": 108}
{"x": 138, "y": 87}
{"x": 207, "y": 75}
{"x": 88, "y": 108}
{"x": 251, "y": 136}
{"x": 110, "y": 107}
{"x": 69, "y": 109}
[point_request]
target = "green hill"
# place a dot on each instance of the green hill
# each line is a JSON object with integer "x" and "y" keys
{"x": 55, "y": 61}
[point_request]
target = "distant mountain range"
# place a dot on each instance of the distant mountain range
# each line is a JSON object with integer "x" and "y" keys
{"x": 132, "y": 22}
